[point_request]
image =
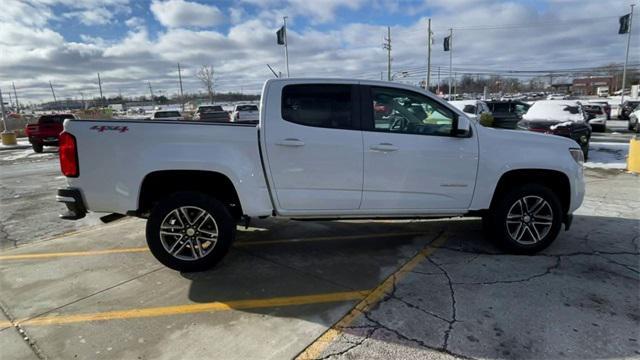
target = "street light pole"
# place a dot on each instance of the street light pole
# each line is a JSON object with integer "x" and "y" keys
{"x": 428, "y": 80}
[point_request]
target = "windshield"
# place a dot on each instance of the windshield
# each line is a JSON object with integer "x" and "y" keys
{"x": 247, "y": 108}
{"x": 54, "y": 119}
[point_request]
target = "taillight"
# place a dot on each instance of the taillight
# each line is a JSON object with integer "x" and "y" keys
{"x": 68, "y": 155}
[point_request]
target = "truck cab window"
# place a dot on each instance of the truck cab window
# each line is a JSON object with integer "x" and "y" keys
{"x": 319, "y": 105}
{"x": 403, "y": 111}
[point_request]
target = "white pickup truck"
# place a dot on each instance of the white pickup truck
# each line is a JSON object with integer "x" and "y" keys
{"x": 323, "y": 149}
{"x": 245, "y": 113}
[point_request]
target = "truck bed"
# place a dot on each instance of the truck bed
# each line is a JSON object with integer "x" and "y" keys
{"x": 116, "y": 155}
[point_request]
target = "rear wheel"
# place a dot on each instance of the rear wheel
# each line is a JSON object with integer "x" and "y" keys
{"x": 190, "y": 231}
{"x": 37, "y": 147}
{"x": 525, "y": 219}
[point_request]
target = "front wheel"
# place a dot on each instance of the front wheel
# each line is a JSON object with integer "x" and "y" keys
{"x": 525, "y": 219}
{"x": 37, "y": 148}
{"x": 190, "y": 231}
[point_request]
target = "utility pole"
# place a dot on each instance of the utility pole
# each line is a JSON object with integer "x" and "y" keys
{"x": 10, "y": 100}
{"x": 454, "y": 84}
{"x": 450, "y": 59}
{"x": 15, "y": 95}
{"x": 626, "y": 59}
{"x": 4, "y": 120}
{"x": 387, "y": 46}
{"x": 84, "y": 107}
{"x": 428, "y": 80}
{"x": 438, "y": 88}
{"x": 151, "y": 92}
{"x": 286, "y": 48}
{"x": 100, "y": 87}
{"x": 55, "y": 101}
{"x": 181, "y": 94}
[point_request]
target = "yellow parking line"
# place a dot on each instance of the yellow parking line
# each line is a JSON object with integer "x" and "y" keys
{"x": 315, "y": 349}
{"x": 193, "y": 308}
{"x": 34, "y": 256}
{"x": 73, "y": 253}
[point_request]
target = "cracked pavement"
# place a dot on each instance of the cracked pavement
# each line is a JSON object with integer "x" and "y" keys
{"x": 578, "y": 299}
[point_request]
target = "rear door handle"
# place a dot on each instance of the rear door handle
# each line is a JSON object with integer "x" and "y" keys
{"x": 384, "y": 147}
{"x": 290, "y": 142}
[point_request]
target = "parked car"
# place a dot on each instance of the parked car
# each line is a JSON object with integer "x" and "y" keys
{"x": 245, "y": 113}
{"x": 46, "y": 131}
{"x": 507, "y": 114}
{"x": 472, "y": 108}
{"x": 634, "y": 121}
{"x": 321, "y": 151}
{"x": 557, "y": 97}
{"x": 626, "y": 109}
{"x": 214, "y": 113}
{"x": 605, "y": 104}
{"x": 596, "y": 116}
{"x": 167, "y": 115}
{"x": 559, "y": 117}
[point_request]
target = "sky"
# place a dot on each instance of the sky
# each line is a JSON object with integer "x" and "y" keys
{"x": 132, "y": 43}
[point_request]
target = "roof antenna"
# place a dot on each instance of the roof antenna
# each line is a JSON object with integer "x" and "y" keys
{"x": 274, "y": 73}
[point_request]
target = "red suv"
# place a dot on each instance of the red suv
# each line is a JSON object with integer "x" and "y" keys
{"x": 46, "y": 131}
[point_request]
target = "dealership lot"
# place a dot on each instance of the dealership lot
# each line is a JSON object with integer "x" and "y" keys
{"x": 420, "y": 289}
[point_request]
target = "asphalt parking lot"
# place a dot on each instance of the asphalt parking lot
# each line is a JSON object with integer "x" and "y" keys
{"x": 351, "y": 289}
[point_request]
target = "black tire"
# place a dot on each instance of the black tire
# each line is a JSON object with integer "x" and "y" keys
{"x": 163, "y": 216}
{"x": 501, "y": 231}
{"x": 37, "y": 147}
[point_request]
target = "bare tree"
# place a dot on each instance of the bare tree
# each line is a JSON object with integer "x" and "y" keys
{"x": 205, "y": 75}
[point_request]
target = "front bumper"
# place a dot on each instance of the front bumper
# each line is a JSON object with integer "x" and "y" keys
{"x": 72, "y": 198}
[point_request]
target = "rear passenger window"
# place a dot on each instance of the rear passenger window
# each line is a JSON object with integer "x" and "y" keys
{"x": 321, "y": 105}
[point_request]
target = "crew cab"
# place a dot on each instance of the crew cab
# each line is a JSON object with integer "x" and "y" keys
{"x": 322, "y": 149}
{"x": 46, "y": 131}
{"x": 245, "y": 113}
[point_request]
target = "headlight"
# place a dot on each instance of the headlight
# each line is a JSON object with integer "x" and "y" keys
{"x": 577, "y": 155}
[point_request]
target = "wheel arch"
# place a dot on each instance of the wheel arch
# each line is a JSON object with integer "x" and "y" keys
{"x": 555, "y": 180}
{"x": 160, "y": 184}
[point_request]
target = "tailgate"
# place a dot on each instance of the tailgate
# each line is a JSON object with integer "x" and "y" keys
{"x": 44, "y": 130}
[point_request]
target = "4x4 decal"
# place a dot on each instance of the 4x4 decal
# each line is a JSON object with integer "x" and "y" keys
{"x": 103, "y": 128}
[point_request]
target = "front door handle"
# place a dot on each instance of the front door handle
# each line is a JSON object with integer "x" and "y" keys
{"x": 290, "y": 142}
{"x": 384, "y": 147}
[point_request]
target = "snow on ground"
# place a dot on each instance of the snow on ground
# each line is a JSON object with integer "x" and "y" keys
{"x": 21, "y": 142}
{"x": 25, "y": 154}
{"x": 608, "y": 156}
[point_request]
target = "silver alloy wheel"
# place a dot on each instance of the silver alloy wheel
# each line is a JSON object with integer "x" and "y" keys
{"x": 529, "y": 220}
{"x": 189, "y": 233}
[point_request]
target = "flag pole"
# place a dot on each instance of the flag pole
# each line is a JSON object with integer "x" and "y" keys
{"x": 626, "y": 59}
{"x": 286, "y": 49}
{"x": 450, "y": 59}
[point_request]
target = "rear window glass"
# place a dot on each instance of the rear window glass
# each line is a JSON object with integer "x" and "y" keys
{"x": 167, "y": 114}
{"x": 321, "y": 105}
{"x": 247, "y": 108}
{"x": 204, "y": 109}
{"x": 54, "y": 119}
{"x": 469, "y": 109}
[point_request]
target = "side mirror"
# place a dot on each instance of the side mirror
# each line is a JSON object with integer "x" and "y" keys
{"x": 462, "y": 127}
